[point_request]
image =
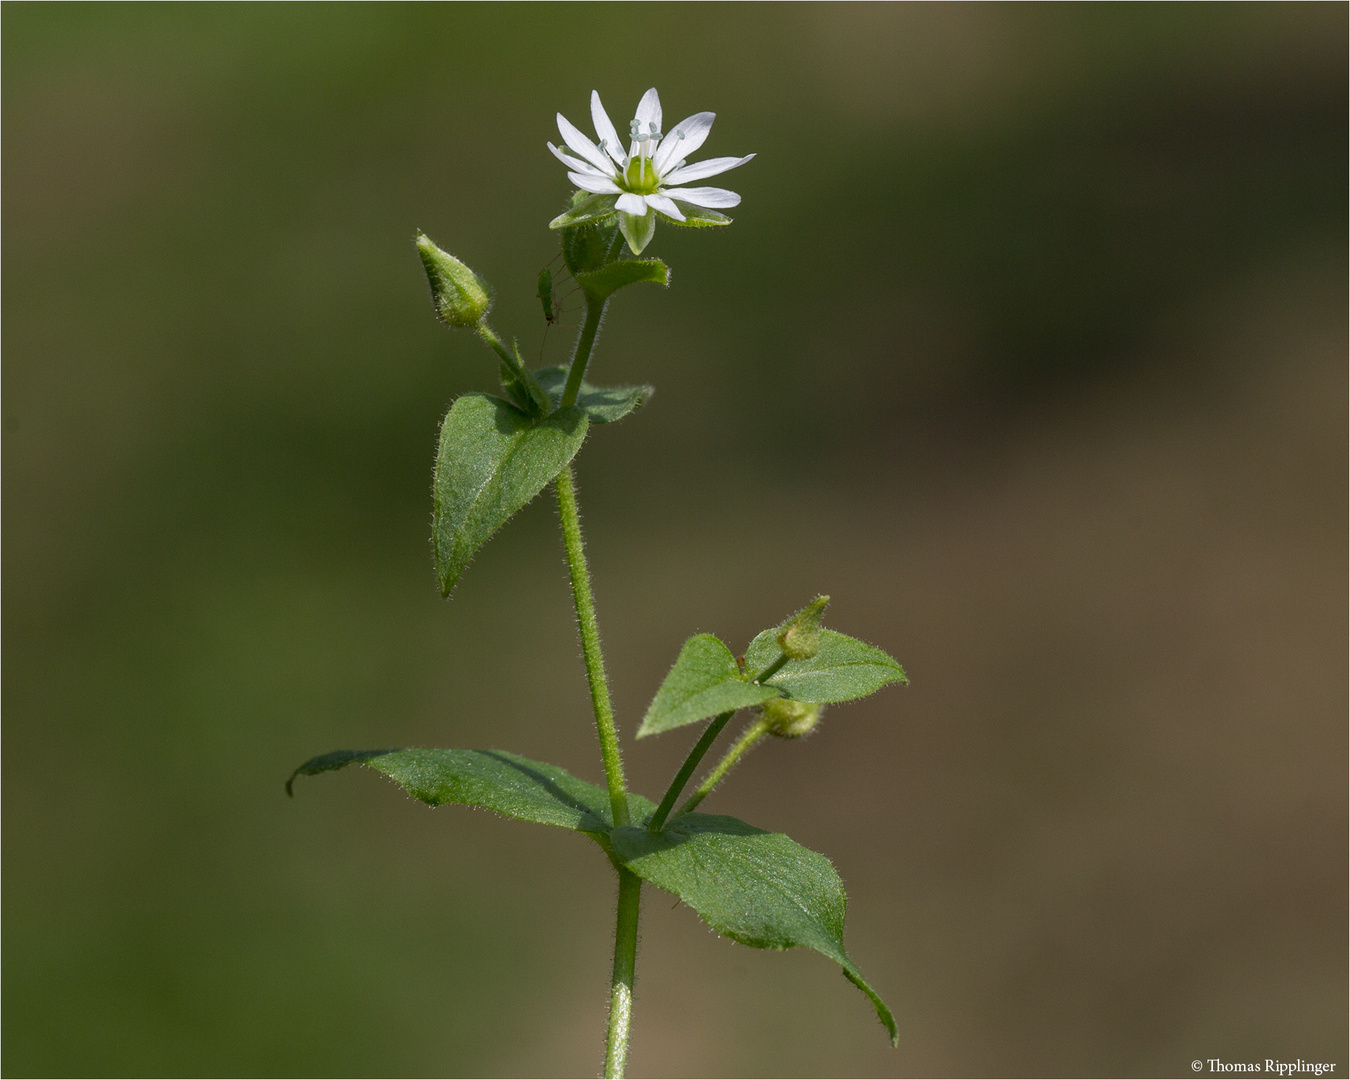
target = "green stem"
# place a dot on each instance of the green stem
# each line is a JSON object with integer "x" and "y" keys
{"x": 508, "y": 358}
{"x": 594, "y": 309}
{"x": 590, "y": 644}
{"x": 687, "y": 770}
{"x": 772, "y": 669}
{"x": 621, "y": 984}
{"x": 752, "y": 735}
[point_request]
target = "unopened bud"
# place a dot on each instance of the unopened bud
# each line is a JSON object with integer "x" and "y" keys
{"x": 800, "y": 636}
{"x": 789, "y": 719}
{"x": 459, "y": 295}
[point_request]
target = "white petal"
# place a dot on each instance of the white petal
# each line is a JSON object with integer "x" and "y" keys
{"x": 601, "y": 185}
{"x": 694, "y": 129}
{"x": 701, "y": 170}
{"x": 649, "y": 111}
{"x": 609, "y": 138}
{"x": 666, "y": 206}
{"x": 715, "y": 198}
{"x": 631, "y": 204}
{"x": 577, "y": 164}
{"x": 582, "y": 145}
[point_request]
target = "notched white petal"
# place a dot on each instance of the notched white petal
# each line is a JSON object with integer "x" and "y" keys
{"x": 682, "y": 140}
{"x": 631, "y": 204}
{"x": 577, "y": 164}
{"x": 601, "y": 185}
{"x": 604, "y": 128}
{"x": 714, "y": 198}
{"x": 665, "y": 205}
{"x": 573, "y": 137}
{"x": 701, "y": 170}
{"x": 649, "y": 111}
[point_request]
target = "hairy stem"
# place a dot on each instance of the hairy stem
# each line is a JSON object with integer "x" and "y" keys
{"x": 752, "y": 735}
{"x": 709, "y": 736}
{"x": 590, "y": 644}
{"x": 772, "y": 669}
{"x": 621, "y": 984}
{"x": 586, "y": 342}
{"x": 508, "y": 358}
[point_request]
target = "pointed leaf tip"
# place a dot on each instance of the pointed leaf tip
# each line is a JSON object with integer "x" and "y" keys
{"x": 758, "y": 888}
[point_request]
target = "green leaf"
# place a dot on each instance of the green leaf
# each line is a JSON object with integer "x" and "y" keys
{"x": 609, "y": 279}
{"x": 844, "y": 668}
{"x": 591, "y": 208}
{"x": 696, "y": 217}
{"x": 704, "y": 682}
{"x": 492, "y": 460}
{"x": 602, "y": 404}
{"x": 493, "y": 779}
{"x": 759, "y": 888}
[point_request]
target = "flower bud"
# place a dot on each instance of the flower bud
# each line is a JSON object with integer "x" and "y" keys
{"x": 459, "y": 295}
{"x": 789, "y": 719}
{"x": 800, "y": 636}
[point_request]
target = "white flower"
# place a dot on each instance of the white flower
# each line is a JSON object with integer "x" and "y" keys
{"x": 644, "y": 181}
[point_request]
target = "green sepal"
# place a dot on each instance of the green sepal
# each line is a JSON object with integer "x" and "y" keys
{"x": 602, "y": 404}
{"x": 759, "y": 888}
{"x": 491, "y": 461}
{"x": 589, "y": 209}
{"x": 493, "y": 779}
{"x": 698, "y": 217}
{"x": 842, "y": 669}
{"x": 704, "y": 681}
{"x": 638, "y": 231}
{"x": 585, "y": 246}
{"x": 605, "y": 282}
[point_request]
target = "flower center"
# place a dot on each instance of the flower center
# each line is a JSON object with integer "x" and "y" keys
{"x": 640, "y": 177}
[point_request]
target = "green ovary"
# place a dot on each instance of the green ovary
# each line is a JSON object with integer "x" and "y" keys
{"x": 639, "y": 177}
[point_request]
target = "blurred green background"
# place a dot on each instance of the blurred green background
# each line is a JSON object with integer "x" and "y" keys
{"x": 1028, "y": 345}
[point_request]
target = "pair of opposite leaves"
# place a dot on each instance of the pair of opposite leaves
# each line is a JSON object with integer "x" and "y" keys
{"x": 758, "y": 888}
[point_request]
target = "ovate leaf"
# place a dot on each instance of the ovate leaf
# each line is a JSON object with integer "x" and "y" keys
{"x": 609, "y": 279}
{"x": 843, "y": 669}
{"x": 602, "y": 404}
{"x": 492, "y": 460}
{"x": 493, "y": 779}
{"x": 759, "y": 888}
{"x": 704, "y": 682}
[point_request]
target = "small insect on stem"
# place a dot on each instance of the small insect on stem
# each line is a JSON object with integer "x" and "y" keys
{"x": 545, "y": 294}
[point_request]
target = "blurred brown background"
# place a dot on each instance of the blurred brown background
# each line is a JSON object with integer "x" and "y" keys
{"x": 1028, "y": 345}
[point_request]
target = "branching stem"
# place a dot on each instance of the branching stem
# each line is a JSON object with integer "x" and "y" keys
{"x": 752, "y": 735}
{"x": 709, "y": 736}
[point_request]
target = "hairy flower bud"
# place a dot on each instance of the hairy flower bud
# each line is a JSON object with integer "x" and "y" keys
{"x": 789, "y": 719}
{"x": 459, "y": 295}
{"x": 800, "y": 636}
